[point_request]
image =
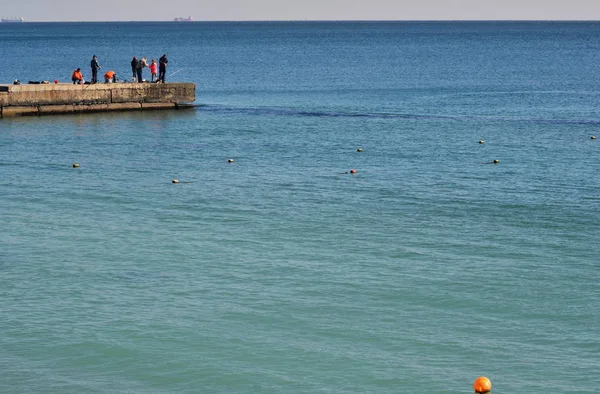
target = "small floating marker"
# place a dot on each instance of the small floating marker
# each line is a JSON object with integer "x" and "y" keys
{"x": 359, "y": 150}
{"x": 230, "y": 161}
{"x": 175, "y": 181}
{"x": 76, "y": 165}
{"x": 496, "y": 161}
{"x": 593, "y": 137}
{"x": 481, "y": 141}
{"x": 353, "y": 171}
{"x": 482, "y": 385}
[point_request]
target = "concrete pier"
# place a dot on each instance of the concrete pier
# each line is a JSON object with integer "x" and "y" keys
{"x": 65, "y": 98}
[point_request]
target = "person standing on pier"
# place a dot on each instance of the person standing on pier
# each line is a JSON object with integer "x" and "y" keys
{"x": 95, "y": 67}
{"x": 162, "y": 68}
{"x": 140, "y": 67}
{"x": 134, "y": 66}
{"x": 153, "y": 70}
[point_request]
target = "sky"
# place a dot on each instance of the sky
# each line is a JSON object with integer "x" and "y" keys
{"x": 240, "y": 10}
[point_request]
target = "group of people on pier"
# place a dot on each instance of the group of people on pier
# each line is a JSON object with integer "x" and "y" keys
{"x": 157, "y": 70}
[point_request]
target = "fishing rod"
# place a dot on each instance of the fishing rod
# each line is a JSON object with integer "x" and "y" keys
{"x": 178, "y": 71}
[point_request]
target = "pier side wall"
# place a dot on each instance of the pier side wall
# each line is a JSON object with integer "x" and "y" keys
{"x": 46, "y": 99}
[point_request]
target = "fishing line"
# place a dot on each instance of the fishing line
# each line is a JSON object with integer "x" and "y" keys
{"x": 170, "y": 75}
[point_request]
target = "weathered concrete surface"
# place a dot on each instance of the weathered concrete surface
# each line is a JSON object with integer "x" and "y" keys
{"x": 67, "y": 109}
{"x": 158, "y": 105}
{"x": 155, "y": 93}
{"x": 47, "y": 99}
{"x": 18, "y": 111}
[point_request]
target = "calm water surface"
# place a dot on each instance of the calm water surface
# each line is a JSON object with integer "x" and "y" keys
{"x": 281, "y": 272}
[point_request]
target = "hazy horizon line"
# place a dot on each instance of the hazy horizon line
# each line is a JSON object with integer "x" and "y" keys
{"x": 302, "y": 20}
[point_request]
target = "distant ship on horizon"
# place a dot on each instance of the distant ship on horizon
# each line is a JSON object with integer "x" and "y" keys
{"x": 12, "y": 20}
{"x": 180, "y": 19}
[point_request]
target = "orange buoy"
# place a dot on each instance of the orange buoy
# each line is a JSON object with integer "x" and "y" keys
{"x": 352, "y": 171}
{"x": 482, "y": 385}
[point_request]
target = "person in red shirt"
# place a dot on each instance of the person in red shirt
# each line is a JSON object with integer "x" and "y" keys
{"x": 154, "y": 70}
{"x": 77, "y": 77}
{"x": 110, "y": 77}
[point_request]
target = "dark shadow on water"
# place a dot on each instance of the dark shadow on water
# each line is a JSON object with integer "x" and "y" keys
{"x": 281, "y": 111}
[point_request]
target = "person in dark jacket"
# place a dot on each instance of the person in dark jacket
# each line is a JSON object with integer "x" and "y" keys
{"x": 95, "y": 67}
{"x": 134, "y": 66}
{"x": 162, "y": 68}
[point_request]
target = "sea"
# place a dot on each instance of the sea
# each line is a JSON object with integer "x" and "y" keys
{"x": 283, "y": 271}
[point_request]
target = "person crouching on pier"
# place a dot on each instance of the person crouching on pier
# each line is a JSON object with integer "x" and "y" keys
{"x": 110, "y": 77}
{"x": 77, "y": 77}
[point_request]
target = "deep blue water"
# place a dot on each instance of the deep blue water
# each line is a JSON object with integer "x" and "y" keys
{"x": 281, "y": 272}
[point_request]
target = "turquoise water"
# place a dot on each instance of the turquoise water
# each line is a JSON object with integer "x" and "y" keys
{"x": 282, "y": 272}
